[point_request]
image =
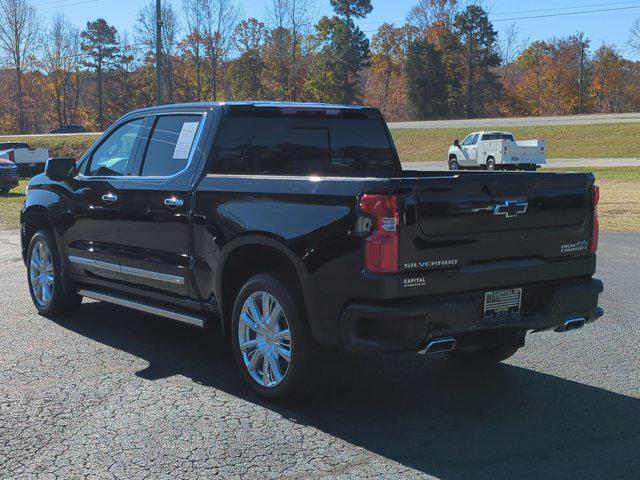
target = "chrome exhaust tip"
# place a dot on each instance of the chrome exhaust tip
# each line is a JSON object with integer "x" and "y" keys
{"x": 440, "y": 345}
{"x": 573, "y": 324}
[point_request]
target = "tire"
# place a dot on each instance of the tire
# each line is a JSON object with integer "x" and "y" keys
{"x": 50, "y": 295}
{"x": 491, "y": 164}
{"x": 283, "y": 379}
{"x": 454, "y": 165}
{"x": 483, "y": 356}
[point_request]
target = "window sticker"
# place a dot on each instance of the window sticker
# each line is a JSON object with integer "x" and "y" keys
{"x": 185, "y": 140}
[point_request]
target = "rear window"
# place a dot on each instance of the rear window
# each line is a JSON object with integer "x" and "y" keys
{"x": 497, "y": 136}
{"x": 302, "y": 146}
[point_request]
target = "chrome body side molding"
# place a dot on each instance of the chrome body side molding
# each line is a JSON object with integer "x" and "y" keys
{"x": 88, "y": 262}
{"x": 136, "y": 272}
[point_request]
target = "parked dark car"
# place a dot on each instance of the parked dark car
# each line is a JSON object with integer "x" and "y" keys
{"x": 8, "y": 176}
{"x": 68, "y": 129}
{"x": 293, "y": 226}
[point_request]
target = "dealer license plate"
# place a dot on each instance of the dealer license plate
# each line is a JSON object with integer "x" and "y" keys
{"x": 502, "y": 303}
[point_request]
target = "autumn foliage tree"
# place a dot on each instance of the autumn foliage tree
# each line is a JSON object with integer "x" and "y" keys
{"x": 386, "y": 84}
{"x": 446, "y": 61}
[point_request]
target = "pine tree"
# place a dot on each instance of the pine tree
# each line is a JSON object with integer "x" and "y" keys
{"x": 352, "y": 8}
{"x": 344, "y": 52}
{"x": 426, "y": 81}
{"x": 479, "y": 49}
{"x": 100, "y": 46}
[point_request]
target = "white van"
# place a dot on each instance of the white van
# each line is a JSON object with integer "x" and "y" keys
{"x": 496, "y": 151}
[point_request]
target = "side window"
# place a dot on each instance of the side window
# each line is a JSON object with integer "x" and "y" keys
{"x": 170, "y": 145}
{"x": 509, "y": 138}
{"x": 115, "y": 154}
{"x": 470, "y": 140}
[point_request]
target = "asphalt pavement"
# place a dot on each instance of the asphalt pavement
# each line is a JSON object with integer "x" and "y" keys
{"x": 110, "y": 393}
{"x": 522, "y": 121}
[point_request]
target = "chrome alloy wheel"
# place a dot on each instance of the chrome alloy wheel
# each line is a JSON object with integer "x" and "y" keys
{"x": 41, "y": 273}
{"x": 264, "y": 339}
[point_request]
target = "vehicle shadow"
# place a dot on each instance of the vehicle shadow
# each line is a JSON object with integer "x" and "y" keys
{"x": 506, "y": 422}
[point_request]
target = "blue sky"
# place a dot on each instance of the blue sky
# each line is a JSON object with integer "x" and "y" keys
{"x": 605, "y": 26}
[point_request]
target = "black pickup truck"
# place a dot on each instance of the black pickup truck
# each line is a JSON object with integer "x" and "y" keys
{"x": 294, "y": 227}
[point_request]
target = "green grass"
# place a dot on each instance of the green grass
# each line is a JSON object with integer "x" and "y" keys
{"x": 621, "y": 140}
{"x": 10, "y": 206}
{"x": 58, "y": 145}
{"x": 603, "y": 173}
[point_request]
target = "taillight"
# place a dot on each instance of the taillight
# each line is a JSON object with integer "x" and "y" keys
{"x": 381, "y": 247}
{"x": 595, "y": 231}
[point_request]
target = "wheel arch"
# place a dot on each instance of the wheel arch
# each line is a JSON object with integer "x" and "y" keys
{"x": 248, "y": 256}
{"x": 35, "y": 218}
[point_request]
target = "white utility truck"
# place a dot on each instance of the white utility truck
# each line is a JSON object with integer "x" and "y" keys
{"x": 29, "y": 160}
{"x": 496, "y": 151}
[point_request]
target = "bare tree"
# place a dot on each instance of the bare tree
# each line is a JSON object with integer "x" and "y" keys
{"x": 60, "y": 62}
{"x": 195, "y": 16}
{"x": 427, "y": 12}
{"x": 145, "y": 31}
{"x": 510, "y": 47}
{"x": 278, "y": 45}
{"x": 123, "y": 95}
{"x": 290, "y": 21}
{"x": 221, "y": 18}
{"x": 634, "y": 37}
{"x": 301, "y": 14}
{"x": 18, "y": 41}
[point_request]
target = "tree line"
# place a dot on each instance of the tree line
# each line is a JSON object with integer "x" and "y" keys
{"x": 446, "y": 61}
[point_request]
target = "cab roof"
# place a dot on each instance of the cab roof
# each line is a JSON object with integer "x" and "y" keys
{"x": 491, "y": 132}
{"x": 269, "y": 108}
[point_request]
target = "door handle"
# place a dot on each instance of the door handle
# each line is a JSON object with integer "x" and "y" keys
{"x": 109, "y": 198}
{"x": 173, "y": 202}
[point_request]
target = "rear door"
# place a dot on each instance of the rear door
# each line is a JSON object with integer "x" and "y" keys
{"x": 156, "y": 206}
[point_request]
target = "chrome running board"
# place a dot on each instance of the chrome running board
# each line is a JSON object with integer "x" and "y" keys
{"x": 143, "y": 307}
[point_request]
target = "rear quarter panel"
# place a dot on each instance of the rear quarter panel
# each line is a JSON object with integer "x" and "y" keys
{"x": 311, "y": 220}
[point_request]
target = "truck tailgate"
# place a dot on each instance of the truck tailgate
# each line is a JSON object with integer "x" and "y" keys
{"x": 31, "y": 156}
{"x": 477, "y": 222}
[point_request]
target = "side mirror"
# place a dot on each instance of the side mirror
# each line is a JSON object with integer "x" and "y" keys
{"x": 63, "y": 168}
{"x": 456, "y": 143}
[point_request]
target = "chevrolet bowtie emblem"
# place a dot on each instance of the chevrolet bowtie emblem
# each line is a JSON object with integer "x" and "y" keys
{"x": 510, "y": 208}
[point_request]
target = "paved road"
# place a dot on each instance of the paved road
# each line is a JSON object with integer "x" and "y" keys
{"x": 116, "y": 394}
{"x": 551, "y": 163}
{"x": 523, "y": 121}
